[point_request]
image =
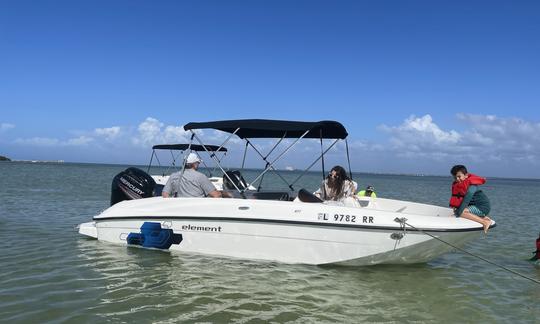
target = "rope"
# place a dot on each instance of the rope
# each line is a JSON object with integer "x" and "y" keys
{"x": 404, "y": 221}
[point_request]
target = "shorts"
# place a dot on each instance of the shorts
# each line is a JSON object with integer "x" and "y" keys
{"x": 475, "y": 210}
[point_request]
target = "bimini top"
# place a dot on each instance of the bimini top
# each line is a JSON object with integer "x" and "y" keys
{"x": 194, "y": 147}
{"x": 265, "y": 128}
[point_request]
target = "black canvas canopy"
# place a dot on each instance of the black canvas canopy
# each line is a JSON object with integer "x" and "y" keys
{"x": 194, "y": 147}
{"x": 265, "y": 128}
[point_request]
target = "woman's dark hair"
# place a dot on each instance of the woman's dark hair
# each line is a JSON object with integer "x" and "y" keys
{"x": 341, "y": 173}
{"x": 336, "y": 184}
{"x": 458, "y": 168}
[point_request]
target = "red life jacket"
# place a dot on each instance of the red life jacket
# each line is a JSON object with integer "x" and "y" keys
{"x": 459, "y": 189}
{"x": 538, "y": 248}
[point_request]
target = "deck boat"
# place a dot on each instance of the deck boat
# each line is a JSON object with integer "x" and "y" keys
{"x": 292, "y": 226}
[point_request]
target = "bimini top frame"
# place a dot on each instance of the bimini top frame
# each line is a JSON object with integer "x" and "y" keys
{"x": 181, "y": 148}
{"x": 280, "y": 129}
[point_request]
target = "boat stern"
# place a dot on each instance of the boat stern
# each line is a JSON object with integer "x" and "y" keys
{"x": 88, "y": 229}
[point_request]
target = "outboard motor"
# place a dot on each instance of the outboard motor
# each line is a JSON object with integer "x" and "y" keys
{"x": 131, "y": 183}
{"x": 237, "y": 178}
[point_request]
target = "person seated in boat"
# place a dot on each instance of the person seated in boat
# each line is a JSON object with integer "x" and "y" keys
{"x": 368, "y": 192}
{"x": 337, "y": 186}
{"x": 191, "y": 183}
{"x": 467, "y": 200}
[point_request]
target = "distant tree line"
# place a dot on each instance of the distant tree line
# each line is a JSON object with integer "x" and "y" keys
{"x": 3, "y": 158}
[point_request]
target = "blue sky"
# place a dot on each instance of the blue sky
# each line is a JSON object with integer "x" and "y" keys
{"x": 420, "y": 85}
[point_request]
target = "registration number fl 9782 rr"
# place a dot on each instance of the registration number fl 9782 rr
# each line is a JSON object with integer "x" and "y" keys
{"x": 345, "y": 218}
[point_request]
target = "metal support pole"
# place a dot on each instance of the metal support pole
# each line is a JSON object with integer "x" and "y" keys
{"x": 205, "y": 165}
{"x": 348, "y": 159}
{"x": 245, "y": 152}
{"x": 159, "y": 164}
{"x": 218, "y": 164}
{"x": 322, "y": 162}
{"x": 273, "y": 148}
{"x": 226, "y": 140}
{"x": 312, "y": 164}
{"x": 267, "y": 164}
{"x": 151, "y": 158}
{"x": 279, "y": 157}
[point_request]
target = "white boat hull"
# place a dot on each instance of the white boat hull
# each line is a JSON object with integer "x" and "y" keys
{"x": 290, "y": 232}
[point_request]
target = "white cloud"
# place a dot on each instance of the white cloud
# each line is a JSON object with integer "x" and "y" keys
{"x": 54, "y": 142}
{"x": 421, "y": 133}
{"x": 108, "y": 133}
{"x": 513, "y": 138}
{"x": 151, "y": 131}
{"x": 497, "y": 143}
{"x": 78, "y": 141}
{"x": 503, "y": 129}
{"x": 4, "y": 127}
{"x": 38, "y": 141}
{"x": 488, "y": 138}
{"x": 175, "y": 134}
{"x": 363, "y": 145}
{"x": 219, "y": 137}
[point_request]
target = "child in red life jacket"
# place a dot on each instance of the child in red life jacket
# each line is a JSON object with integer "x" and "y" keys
{"x": 467, "y": 199}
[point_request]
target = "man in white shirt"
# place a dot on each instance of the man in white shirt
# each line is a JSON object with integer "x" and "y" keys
{"x": 191, "y": 183}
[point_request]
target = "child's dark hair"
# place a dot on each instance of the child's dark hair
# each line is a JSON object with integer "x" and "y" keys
{"x": 458, "y": 168}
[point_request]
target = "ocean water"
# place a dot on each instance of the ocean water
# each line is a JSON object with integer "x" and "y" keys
{"x": 49, "y": 273}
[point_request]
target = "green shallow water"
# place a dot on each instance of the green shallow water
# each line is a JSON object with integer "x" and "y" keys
{"x": 52, "y": 274}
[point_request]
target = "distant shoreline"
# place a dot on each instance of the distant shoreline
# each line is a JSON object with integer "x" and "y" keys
{"x": 40, "y": 161}
{"x": 285, "y": 171}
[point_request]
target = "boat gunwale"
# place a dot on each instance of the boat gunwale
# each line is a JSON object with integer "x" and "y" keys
{"x": 291, "y": 222}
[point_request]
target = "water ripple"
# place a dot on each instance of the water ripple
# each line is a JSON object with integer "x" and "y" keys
{"x": 51, "y": 274}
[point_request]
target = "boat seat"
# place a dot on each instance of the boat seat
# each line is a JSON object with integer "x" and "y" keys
{"x": 308, "y": 197}
{"x": 237, "y": 178}
{"x": 271, "y": 195}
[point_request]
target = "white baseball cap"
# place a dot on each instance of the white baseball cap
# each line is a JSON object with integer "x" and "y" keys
{"x": 192, "y": 158}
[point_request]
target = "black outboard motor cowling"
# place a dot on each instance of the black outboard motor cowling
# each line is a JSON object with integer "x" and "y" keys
{"x": 131, "y": 183}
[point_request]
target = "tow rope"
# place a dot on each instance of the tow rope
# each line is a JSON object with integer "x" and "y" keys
{"x": 403, "y": 222}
